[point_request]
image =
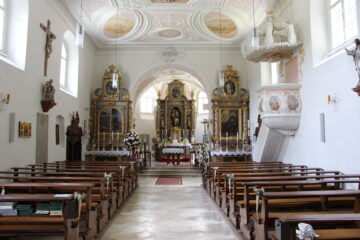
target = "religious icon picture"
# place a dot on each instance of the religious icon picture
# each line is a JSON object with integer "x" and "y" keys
{"x": 24, "y": 130}
{"x": 176, "y": 92}
{"x": 229, "y": 123}
{"x": 229, "y": 88}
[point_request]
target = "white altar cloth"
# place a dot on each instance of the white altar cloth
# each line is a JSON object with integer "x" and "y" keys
{"x": 233, "y": 153}
{"x": 173, "y": 151}
{"x": 108, "y": 153}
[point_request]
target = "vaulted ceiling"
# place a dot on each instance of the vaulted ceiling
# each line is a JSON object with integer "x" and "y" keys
{"x": 175, "y": 22}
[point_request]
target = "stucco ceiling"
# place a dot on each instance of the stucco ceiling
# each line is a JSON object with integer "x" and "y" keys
{"x": 180, "y": 22}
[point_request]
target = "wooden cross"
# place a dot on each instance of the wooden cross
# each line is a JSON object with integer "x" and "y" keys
{"x": 48, "y": 46}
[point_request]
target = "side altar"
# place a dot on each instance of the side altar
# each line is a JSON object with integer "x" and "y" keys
{"x": 231, "y": 127}
{"x": 110, "y": 119}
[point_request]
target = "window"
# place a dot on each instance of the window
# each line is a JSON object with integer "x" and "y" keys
{"x": 69, "y": 65}
{"x": 343, "y": 21}
{"x": 2, "y": 24}
{"x": 203, "y": 103}
{"x": 63, "y": 66}
{"x": 148, "y": 101}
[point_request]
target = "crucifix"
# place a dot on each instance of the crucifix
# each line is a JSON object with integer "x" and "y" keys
{"x": 48, "y": 46}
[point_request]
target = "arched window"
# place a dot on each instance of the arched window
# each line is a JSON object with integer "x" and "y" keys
{"x": 14, "y": 17}
{"x": 60, "y": 131}
{"x": 2, "y": 24}
{"x": 343, "y": 21}
{"x": 63, "y": 66}
{"x": 148, "y": 101}
{"x": 203, "y": 103}
{"x": 69, "y": 65}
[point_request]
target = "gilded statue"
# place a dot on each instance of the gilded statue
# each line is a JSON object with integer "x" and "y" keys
{"x": 175, "y": 118}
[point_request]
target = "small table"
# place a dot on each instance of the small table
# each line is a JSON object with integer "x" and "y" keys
{"x": 173, "y": 153}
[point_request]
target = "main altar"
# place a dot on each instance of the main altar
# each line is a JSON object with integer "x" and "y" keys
{"x": 110, "y": 119}
{"x": 175, "y": 121}
{"x": 231, "y": 127}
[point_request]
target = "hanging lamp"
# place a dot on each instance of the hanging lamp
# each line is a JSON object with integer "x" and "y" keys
{"x": 79, "y": 38}
{"x": 221, "y": 73}
{"x": 115, "y": 76}
{"x": 254, "y": 37}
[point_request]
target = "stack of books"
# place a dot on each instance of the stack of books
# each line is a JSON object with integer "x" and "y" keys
{"x": 7, "y": 209}
{"x": 42, "y": 208}
{"x": 24, "y": 209}
{"x": 55, "y": 208}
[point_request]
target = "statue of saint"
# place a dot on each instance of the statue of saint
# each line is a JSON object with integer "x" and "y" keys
{"x": 49, "y": 91}
{"x": 356, "y": 57}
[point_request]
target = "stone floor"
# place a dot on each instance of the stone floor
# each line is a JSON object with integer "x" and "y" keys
{"x": 182, "y": 212}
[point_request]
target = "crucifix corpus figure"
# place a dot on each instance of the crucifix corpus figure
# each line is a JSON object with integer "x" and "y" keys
{"x": 48, "y": 46}
{"x": 356, "y": 57}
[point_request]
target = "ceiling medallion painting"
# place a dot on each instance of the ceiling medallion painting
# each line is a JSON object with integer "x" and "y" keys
{"x": 117, "y": 27}
{"x": 223, "y": 24}
{"x": 169, "y": 33}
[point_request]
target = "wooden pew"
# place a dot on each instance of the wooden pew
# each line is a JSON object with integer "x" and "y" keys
{"x": 16, "y": 226}
{"x": 102, "y": 199}
{"x": 90, "y": 213}
{"x": 285, "y": 226}
{"x": 321, "y": 200}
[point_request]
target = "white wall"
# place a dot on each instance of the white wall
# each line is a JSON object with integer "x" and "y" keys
{"x": 334, "y": 76}
{"x": 25, "y": 86}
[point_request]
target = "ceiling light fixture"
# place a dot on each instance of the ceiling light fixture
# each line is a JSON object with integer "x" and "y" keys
{"x": 221, "y": 73}
{"x": 79, "y": 39}
{"x": 254, "y": 38}
{"x": 115, "y": 77}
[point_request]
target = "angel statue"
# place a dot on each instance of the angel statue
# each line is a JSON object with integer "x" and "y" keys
{"x": 356, "y": 57}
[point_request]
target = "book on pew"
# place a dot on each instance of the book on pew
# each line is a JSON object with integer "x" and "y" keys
{"x": 24, "y": 209}
{"x": 7, "y": 205}
{"x": 42, "y": 209}
{"x": 55, "y": 209}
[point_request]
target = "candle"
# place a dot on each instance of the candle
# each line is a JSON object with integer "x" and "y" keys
{"x": 237, "y": 141}
{"x": 8, "y": 97}
{"x": 329, "y": 98}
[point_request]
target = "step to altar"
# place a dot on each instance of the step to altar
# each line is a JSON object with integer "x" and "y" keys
{"x": 171, "y": 171}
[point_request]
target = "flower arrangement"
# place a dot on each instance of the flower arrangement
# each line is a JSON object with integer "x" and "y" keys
{"x": 108, "y": 175}
{"x": 132, "y": 140}
{"x": 230, "y": 177}
{"x": 79, "y": 195}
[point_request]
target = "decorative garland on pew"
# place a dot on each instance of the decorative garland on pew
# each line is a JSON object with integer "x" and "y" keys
{"x": 306, "y": 232}
{"x": 259, "y": 191}
{"x": 107, "y": 176}
{"x": 230, "y": 177}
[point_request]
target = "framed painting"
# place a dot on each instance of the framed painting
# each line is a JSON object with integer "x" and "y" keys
{"x": 24, "y": 130}
{"x": 111, "y": 120}
{"x": 230, "y": 121}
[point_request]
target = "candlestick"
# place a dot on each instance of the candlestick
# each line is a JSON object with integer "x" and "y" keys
{"x": 98, "y": 140}
{"x": 227, "y": 135}
{"x": 104, "y": 136}
{"x": 112, "y": 139}
{"x": 8, "y": 97}
{"x": 237, "y": 141}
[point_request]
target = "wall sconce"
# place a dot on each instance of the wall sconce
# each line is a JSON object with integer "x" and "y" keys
{"x": 332, "y": 100}
{"x": 4, "y": 100}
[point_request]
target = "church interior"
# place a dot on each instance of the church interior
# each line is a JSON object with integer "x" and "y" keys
{"x": 179, "y": 119}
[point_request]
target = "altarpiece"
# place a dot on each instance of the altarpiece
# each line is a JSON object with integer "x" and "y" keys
{"x": 175, "y": 114}
{"x": 230, "y": 106}
{"x": 110, "y": 116}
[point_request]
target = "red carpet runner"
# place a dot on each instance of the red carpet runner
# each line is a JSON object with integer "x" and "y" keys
{"x": 169, "y": 181}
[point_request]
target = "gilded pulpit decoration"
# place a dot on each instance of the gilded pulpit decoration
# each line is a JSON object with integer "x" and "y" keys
{"x": 48, "y": 44}
{"x": 174, "y": 115}
{"x": 111, "y": 114}
{"x": 24, "y": 130}
{"x": 48, "y": 96}
{"x": 231, "y": 114}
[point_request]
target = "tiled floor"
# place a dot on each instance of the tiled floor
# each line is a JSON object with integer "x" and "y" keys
{"x": 182, "y": 212}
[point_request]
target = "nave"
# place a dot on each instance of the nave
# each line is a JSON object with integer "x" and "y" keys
{"x": 176, "y": 212}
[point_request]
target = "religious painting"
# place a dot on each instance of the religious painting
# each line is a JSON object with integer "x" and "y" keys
{"x": 110, "y": 90}
{"x": 229, "y": 88}
{"x": 176, "y": 90}
{"x": 120, "y": 26}
{"x": 24, "y": 130}
{"x": 274, "y": 103}
{"x": 110, "y": 120}
{"x": 223, "y": 25}
{"x": 229, "y": 123}
{"x": 175, "y": 118}
{"x": 292, "y": 102}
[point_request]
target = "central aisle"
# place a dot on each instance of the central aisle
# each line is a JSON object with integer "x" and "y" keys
{"x": 175, "y": 212}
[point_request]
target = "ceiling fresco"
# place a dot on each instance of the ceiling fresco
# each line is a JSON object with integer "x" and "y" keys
{"x": 168, "y": 22}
